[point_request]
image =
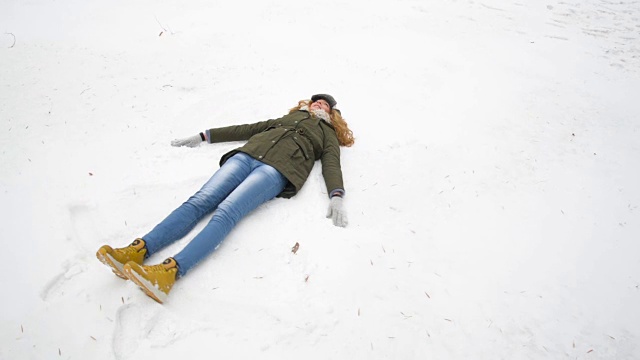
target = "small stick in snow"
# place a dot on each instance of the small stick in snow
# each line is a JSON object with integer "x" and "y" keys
{"x": 14, "y": 40}
{"x": 589, "y": 351}
{"x": 295, "y": 248}
{"x": 21, "y": 329}
{"x": 94, "y": 339}
{"x": 427, "y": 295}
{"x": 163, "y": 28}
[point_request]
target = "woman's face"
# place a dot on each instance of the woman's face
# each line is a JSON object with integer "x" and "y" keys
{"x": 320, "y": 104}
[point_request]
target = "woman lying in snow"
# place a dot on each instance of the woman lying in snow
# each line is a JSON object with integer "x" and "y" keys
{"x": 275, "y": 162}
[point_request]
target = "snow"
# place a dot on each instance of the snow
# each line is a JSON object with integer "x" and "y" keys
{"x": 492, "y": 192}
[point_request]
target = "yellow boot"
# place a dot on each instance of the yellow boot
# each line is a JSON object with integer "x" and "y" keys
{"x": 116, "y": 258}
{"x": 155, "y": 280}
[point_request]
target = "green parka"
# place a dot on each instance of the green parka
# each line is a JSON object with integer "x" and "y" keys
{"x": 291, "y": 144}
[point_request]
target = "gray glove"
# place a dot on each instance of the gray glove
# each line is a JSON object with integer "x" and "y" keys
{"x": 191, "y": 141}
{"x": 337, "y": 212}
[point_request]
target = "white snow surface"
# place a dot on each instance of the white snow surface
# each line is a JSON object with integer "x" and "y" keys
{"x": 493, "y": 191}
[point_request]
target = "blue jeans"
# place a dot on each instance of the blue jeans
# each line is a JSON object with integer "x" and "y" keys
{"x": 238, "y": 187}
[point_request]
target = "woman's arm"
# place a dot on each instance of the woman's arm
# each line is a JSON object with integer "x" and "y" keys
{"x": 332, "y": 173}
{"x": 238, "y": 132}
{"x": 227, "y": 133}
{"x": 331, "y": 168}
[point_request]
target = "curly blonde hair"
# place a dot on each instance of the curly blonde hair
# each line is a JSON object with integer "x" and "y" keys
{"x": 345, "y": 135}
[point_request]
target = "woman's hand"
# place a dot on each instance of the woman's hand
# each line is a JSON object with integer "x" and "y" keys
{"x": 191, "y": 141}
{"x": 337, "y": 212}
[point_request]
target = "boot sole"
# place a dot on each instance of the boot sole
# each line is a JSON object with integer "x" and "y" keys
{"x": 145, "y": 285}
{"x": 115, "y": 266}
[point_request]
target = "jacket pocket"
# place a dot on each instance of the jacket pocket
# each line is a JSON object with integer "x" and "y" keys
{"x": 300, "y": 149}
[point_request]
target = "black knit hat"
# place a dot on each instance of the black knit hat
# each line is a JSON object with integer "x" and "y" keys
{"x": 326, "y": 97}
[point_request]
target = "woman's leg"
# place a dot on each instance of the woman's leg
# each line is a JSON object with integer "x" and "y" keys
{"x": 184, "y": 218}
{"x": 263, "y": 184}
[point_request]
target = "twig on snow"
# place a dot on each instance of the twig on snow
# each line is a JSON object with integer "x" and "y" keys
{"x": 14, "y": 40}
{"x": 164, "y": 30}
